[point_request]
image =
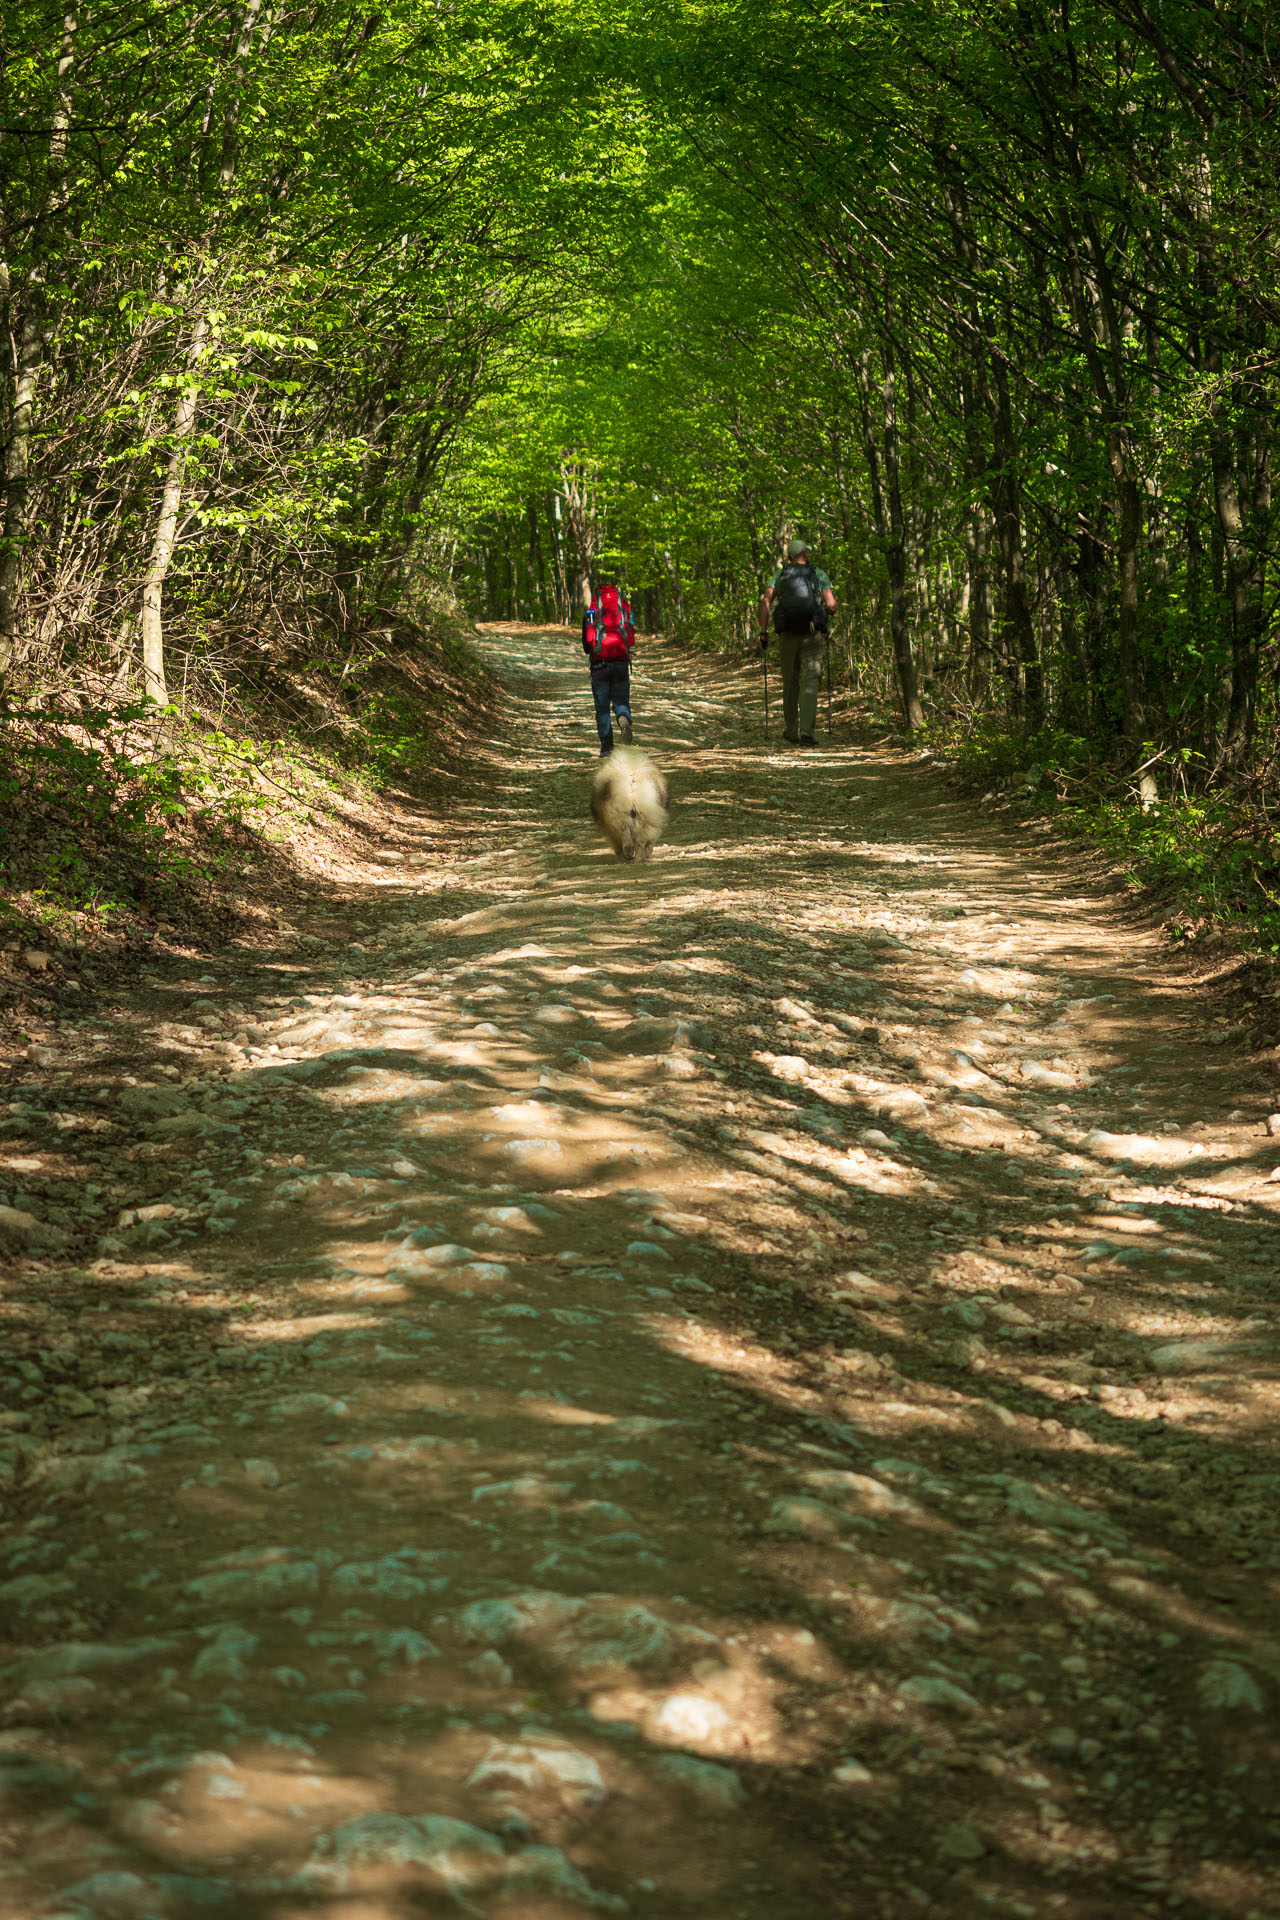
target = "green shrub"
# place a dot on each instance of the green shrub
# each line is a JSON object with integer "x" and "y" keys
{"x": 1218, "y": 855}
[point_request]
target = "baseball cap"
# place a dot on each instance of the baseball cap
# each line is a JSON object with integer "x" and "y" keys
{"x": 795, "y": 548}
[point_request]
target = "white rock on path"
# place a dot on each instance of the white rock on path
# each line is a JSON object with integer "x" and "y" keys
{"x": 276, "y": 1583}
{"x": 720, "y": 1787}
{"x": 901, "y": 1104}
{"x": 410, "y": 1574}
{"x": 30, "y": 1588}
{"x": 1225, "y": 1686}
{"x": 541, "y": 1765}
{"x": 1036, "y": 1074}
{"x": 227, "y": 1656}
{"x": 20, "y": 1227}
{"x": 1191, "y": 1356}
{"x": 800, "y": 1517}
{"x": 959, "y": 1841}
{"x": 1049, "y": 1509}
{"x": 583, "y": 1637}
{"x": 112, "y": 1896}
{"x": 692, "y": 1719}
{"x": 1158, "y": 1152}
{"x": 931, "y": 1690}
{"x": 454, "y": 1854}
{"x": 80, "y": 1657}
{"x": 545, "y": 1872}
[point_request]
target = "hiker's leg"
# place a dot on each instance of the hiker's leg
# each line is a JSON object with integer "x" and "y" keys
{"x": 600, "y": 694}
{"x": 809, "y": 676}
{"x": 789, "y": 665}
{"x": 620, "y": 674}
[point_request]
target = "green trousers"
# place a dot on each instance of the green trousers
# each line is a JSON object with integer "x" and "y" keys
{"x": 800, "y": 657}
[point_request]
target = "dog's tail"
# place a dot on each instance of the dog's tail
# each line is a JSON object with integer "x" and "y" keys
{"x": 629, "y": 799}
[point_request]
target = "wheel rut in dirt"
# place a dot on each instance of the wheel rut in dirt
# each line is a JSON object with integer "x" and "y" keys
{"x": 738, "y": 1386}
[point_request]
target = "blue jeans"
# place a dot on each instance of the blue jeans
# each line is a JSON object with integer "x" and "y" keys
{"x": 610, "y": 687}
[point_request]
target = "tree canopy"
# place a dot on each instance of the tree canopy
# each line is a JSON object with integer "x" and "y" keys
{"x": 314, "y": 308}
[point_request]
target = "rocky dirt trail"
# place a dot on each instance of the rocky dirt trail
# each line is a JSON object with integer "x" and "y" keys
{"x": 742, "y": 1387}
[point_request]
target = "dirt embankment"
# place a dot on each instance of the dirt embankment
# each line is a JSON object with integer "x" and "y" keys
{"x": 133, "y": 840}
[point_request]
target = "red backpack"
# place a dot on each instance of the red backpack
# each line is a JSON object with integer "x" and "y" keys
{"x": 612, "y": 632}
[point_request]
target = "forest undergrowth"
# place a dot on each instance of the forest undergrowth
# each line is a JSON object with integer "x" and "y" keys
{"x": 1204, "y": 851}
{"x": 132, "y": 829}
{"x": 1196, "y": 843}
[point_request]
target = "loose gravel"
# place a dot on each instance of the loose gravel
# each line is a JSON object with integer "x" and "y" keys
{"x": 733, "y": 1388}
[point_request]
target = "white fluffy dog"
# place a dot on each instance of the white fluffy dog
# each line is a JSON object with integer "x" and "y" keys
{"x": 629, "y": 799}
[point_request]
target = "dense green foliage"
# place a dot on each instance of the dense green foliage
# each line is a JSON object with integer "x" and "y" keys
{"x": 316, "y": 309}
{"x": 259, "y": 266}
{"x": 986, "y": 301}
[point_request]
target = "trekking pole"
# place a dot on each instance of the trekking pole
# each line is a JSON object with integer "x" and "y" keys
{"x": 828, "y": 679}
{"x": 764, "y": 667}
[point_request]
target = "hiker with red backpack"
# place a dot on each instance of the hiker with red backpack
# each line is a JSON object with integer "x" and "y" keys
{"x": 803, "y": 601}
{"x": 608, "y": 640}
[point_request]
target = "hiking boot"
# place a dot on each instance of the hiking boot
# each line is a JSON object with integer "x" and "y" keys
{"x": 807, "y": 740}
{"x": 606, "y": 746}
{"x": 624, "y": 729}
{"x": 792, "y": 739}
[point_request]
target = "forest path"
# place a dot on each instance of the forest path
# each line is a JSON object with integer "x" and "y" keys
{"x": 737, "y": 1387}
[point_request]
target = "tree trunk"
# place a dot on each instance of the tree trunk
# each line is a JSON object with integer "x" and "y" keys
{"x": 16, "y": 465}
{"x": 1129, "y": 501}
{"x": 1007, "y": 502}
{"x": 979, "y": 525}
{"x": 976, "y": 411}
{"x": 977, "y": 547}
{"x": 578, "y": 495}
{"x": 1243, "y": 550}
{"x": 510, "y": 594}
{"x": 886, "y": 504}
{"x": 537, "y": 560}
{"x": 184, "y": 420}
{"x": 1098, "y": 324}
{"x": 558, "y": 582}
{"x": 899, "y": 625}
{"x": 1072, "y": 699}
{"x": 922, "y": 599}
{"x": 30, "y": 354}
{"x": 1091, "y": 584}
{"x": 229, "y": 159}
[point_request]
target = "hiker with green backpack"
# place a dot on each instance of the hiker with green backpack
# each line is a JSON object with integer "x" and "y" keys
{"x": 803, "y": 601}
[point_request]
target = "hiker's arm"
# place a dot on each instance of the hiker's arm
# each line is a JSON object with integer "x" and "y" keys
{"x": 765, "y": 598}
{"x": 828, "y": 600}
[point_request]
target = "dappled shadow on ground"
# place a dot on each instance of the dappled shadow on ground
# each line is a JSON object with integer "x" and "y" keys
{"x": 706, "y": 1387}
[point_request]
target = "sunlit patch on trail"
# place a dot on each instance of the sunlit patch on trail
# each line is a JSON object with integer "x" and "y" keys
{"x": 646, "y": 1398}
